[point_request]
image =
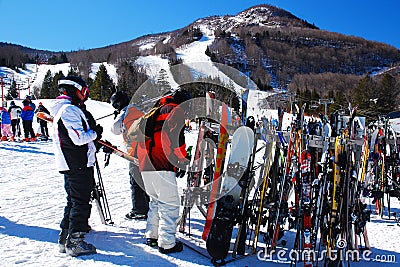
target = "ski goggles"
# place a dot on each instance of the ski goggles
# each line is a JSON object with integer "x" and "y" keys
{"x": 84, "y": 91}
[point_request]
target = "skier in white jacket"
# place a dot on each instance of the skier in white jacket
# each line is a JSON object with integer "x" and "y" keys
{"x": 73, "y": 139}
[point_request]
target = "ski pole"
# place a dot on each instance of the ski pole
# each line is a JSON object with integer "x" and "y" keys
{"x": 139, "y": 104}
{"x": 105, "y": 116}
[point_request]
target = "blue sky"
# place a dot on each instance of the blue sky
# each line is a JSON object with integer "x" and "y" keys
{"x": 71, "y": 25}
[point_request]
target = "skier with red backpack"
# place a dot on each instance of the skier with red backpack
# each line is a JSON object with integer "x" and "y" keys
{"x": 162, "y": 156}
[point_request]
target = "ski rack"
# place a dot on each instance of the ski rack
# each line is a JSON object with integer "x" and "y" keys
{"x": 318, "y": 141}
{"x": 394, "y": 140}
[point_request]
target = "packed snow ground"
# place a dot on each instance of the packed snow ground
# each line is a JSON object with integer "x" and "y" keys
{"x": 32, "y": 199}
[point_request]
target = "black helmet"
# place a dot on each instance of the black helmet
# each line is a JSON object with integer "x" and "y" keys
{"x": 75, "y": 87}
{"x": 119, "y": 100}
{"x": 12, "y": 103}
{"x": 181, "y": 95}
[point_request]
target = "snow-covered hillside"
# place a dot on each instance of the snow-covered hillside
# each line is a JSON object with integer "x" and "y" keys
{"x": 33, "y": 75}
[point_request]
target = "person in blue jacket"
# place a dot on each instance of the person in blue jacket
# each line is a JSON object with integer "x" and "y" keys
{"x": 5, "y": 125}
{"x": 27, "y": 115}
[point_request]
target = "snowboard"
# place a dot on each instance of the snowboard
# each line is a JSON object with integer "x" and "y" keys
{"x": 44, "y": 116}
{"x": 228, "y": 205}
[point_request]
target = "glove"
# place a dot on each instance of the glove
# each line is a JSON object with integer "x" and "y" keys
{"x": 116, "y": 112}
{"x": 99, "y": 130}
{"x": 107, "y": 149}
{"x": 180, "y": 173}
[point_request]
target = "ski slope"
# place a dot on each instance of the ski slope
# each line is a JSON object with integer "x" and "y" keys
{"x": 32, "y": 199}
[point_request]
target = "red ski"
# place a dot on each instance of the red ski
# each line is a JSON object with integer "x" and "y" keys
{"x": 219, "y": 165}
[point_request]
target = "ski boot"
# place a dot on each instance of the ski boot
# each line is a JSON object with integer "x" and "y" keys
{"x": 132, "y": 215}
{"x": 177, "y": 248}
{"x": 152, "y": 242}
{"x": 62, "y": 239}
{"x": 76, "y": 245}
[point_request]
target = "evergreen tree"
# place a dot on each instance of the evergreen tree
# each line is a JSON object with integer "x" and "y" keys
{"x": 365, "y": 96}
{"x": 130, "y": 77}
{"x": 12, "y": 92}
{"x": 54, "y": 88}
{"x": 72, "y": 72}
{"x": 47, "y": 84}
{"x": 63, "y": 58}
{"x": 388, "y": 95}
{"x": 103, "y": 86}
{"x": 162, "y": 82}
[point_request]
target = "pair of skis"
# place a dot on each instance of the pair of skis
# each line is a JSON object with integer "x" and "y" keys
{"x": 195, "y": 192}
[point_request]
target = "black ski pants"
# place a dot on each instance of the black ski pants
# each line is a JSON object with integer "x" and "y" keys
{"x": 28, "y": 130}
{"x": 79, "y": 185}
{"x": 15, "y": 127}
{"x": 140, "y": 200}
{"x": 43, "y": 128}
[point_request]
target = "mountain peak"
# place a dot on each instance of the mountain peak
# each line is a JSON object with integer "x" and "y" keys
{"x": 260, "y": 15}
{"x": 266, "y": 11}
{"x": 268, "y": 15}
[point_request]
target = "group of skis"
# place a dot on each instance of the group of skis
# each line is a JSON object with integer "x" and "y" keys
{"x": 314, "y": 179}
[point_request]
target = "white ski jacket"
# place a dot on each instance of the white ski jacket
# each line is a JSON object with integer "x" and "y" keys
{"x": 72, "y": 137}
{"x": 15, "y": 112}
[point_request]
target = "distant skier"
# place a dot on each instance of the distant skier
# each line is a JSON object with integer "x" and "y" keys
{"x": 126, "y": 114}
{"x": 73, "y": 138}
{"x": 6, "y": 133}
{"x": 30, "y": 102}
{"x": 15, "y": 113}
{"x": 43, "y": 124}
{"x": 27, "y": 118}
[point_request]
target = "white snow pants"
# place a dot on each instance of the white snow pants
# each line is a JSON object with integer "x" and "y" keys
{"x": 164, "y": 204}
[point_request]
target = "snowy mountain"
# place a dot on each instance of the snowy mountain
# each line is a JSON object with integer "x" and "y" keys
{"x": 268, "y": 44}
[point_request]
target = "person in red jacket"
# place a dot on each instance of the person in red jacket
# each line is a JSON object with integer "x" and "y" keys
{"x": 27, "y": 118}
{"x": 160, "y": 157}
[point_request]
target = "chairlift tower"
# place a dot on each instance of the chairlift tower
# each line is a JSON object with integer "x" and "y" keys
{"x": 326, "y": 102}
